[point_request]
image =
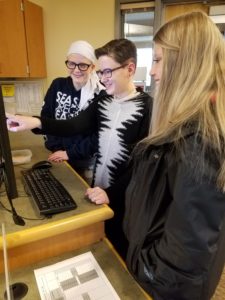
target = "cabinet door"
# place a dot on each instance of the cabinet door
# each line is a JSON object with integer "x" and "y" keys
{"x": 13, "y": 54}
{"x": 35, "y": 39}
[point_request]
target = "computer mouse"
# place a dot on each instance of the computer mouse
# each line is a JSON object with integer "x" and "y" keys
{"x": 43, "y": 164}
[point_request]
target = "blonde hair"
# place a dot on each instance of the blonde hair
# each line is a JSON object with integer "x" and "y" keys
{"x": 193, "y": 74}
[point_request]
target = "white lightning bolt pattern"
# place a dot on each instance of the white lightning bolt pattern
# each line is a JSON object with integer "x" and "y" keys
{"x": 117, "y": 116}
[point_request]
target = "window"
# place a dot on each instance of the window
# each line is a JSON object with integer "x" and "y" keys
{"x": 137, "y": 21}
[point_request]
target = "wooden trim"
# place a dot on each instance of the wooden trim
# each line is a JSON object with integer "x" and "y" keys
{"x": 38, "y": 250}
{"x": 51, "y": 229}
{"x": 207, "y": 2}
{"x": 132, "y": 1}
{"x": 117, "y": 21}
{"x": 137, "y": 5}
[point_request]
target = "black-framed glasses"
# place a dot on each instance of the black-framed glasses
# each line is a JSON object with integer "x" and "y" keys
{"x": 72, "y": 65}
{"x": 107, "y": 73}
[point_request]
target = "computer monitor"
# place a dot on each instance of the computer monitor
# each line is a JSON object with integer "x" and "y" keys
{"x": 7, "y": 174}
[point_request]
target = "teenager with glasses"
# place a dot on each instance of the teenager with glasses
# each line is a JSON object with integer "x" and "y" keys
{"x": 120, "y": 120}
{"x": 66, "y": 98}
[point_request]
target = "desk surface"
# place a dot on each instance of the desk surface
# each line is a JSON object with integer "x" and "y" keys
{"x": 86, "y": 213}
{"x": 121, "y": 280}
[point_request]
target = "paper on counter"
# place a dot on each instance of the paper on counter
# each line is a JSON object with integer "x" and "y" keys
{"x": 79, "y": 278}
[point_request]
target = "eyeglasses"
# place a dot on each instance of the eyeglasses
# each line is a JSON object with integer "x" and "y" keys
{"x": 107, "y": 73}
{"x": 72, "y": 65}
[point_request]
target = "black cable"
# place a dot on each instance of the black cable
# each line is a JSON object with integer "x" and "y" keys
{"x": 26, "y": 218}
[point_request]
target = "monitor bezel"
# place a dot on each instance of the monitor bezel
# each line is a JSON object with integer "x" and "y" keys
{"x": 7, "y": 167}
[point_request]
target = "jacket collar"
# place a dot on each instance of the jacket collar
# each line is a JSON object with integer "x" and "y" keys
{"x": 187, "y": 130}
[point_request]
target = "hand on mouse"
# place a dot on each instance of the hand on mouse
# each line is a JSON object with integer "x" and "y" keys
{"x": 97, "y": 195}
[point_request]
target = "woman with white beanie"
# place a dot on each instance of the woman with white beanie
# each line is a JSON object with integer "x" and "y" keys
{"x": 65, "y": 98}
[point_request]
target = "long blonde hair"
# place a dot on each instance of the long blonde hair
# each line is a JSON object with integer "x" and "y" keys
{"x": 192, "y": 86}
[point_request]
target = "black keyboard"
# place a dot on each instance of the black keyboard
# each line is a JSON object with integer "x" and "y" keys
{"x": 49, "y": 195}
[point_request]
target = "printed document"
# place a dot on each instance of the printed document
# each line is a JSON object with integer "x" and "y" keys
{"x": 79, "y": 278}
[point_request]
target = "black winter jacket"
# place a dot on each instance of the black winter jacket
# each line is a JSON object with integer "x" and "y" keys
{"x": 175, "y": 221}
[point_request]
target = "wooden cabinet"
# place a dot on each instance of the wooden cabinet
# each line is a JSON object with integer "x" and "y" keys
{"x": 22, "y": 51}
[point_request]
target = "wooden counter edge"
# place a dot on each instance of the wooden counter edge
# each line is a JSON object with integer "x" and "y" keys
{"x": 58, "y": 227}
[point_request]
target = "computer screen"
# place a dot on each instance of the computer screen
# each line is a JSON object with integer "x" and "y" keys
{"x": 7, "y": 175}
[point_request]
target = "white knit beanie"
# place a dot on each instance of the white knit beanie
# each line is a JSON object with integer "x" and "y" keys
{"x": 83, "y": 48}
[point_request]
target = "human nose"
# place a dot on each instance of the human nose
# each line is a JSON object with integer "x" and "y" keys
{"x": 152, "y": 70}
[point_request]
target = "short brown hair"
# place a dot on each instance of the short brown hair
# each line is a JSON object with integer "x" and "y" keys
{"x": 121, "y": 50}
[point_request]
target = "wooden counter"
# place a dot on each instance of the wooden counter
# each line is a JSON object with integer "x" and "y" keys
{"x": 124, "y": 284}
{"x": 42, "y": 238}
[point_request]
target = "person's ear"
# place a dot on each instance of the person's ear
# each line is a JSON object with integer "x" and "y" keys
{"x": 131, "y": 68}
